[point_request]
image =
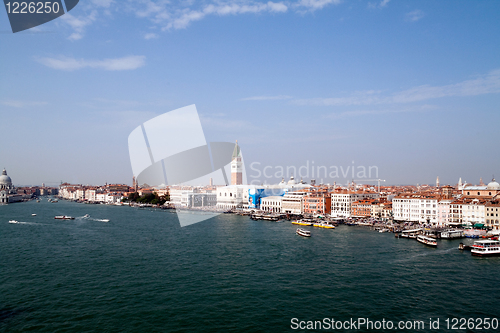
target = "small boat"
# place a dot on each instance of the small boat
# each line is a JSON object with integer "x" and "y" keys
{"x": 427, "y": 240}
{"x": 302, "y": 232}
{"x": 324, "y": 225}
{"x": 13, "y": 221}
{"x": 33, "y": 214}
{"x": 63, "y": 217}
{"x": 86, "y": 216}
{"x": 486, "y": 248}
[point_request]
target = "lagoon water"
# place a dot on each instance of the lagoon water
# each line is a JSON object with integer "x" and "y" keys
{"x": 142, "y": 272}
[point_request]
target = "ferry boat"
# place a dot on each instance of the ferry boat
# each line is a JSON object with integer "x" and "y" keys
{"x": 451, "y": 234}
{"x": 324, "y": 225}
{"x": 486, "y": 248}
{"x": 302, "y": 232}
{"x": 63, "y": 217}
{"x": 302, "y": 222}
{"x": 427, "y": 240}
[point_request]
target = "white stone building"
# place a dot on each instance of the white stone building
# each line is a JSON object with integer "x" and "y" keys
{"x": 342, "y": 201}
{"x": 271, "y": 204}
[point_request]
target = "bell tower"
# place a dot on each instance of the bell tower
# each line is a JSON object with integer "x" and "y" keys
{"x": 236, "y": 166}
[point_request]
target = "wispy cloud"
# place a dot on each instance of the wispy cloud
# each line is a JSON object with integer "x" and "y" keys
{"x": 313, "y": 5}
{"x": 384, "y": 3}
{"x": 177, "y": 14}
{"x": 232, "y": 8}
{"x": 266, "y": 98}
{"x": 114, "y": 64}
{"x": 79, "y": 23}
{"x": 150, "y": 35}
{"x": 415, "y": 15}
{"x": 21, "y": 104}
{"x": 355, "y": 113}
{"x": 484, "y": 84}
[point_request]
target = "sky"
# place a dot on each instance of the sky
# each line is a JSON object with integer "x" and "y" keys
{"x": 409, "y": 88}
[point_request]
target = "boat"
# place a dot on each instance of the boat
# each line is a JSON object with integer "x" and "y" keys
{"x": 63, "y": 217}
{"x": 13, "y": 221}
{"x": 86, "y": 216}
{"x": 302, "y": 232}
{"x": 427, "y": 240}
{"x": 33, "y": 214}
{"x": 486, "y": 248}
{"x": 324, "y": 225}
{"x": 451, "y": 234}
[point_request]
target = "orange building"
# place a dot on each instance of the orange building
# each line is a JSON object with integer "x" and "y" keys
{"x": 318, "y": 203}
{"x": 362, "y": 208}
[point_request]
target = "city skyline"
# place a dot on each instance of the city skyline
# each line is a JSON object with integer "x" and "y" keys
{"x": 410, "y": 87}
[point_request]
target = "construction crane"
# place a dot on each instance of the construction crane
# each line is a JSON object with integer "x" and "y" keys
{"x": 371, "y": 180}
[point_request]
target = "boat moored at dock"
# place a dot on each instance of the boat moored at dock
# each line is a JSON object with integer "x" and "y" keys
{"x": 427, "y": 240}
{"x": 486, "y": 248}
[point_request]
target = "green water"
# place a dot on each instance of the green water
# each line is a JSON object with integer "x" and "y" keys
{"x": 142, "y": 272}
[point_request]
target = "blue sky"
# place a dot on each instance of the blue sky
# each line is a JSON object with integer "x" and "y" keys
{"x": 411, "y": 87}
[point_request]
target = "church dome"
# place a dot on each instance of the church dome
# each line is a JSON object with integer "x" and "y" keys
{"x": 291, "y": 181}
{"x": 493, "y": 185}
{"x": 4, "y": 179}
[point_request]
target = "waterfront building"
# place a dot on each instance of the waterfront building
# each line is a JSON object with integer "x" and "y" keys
{"x": 90, "y": 194}
{"x": 342, "y": 201}
{"x": 455, "y": 216}
{"x": 250, "y": 196}
{"x": 293, "y": 202}
{"x": 363, "y": 208}
{"x": 318, "y": 203}
{"x": 272, "y": 204}
{"x": 474, "y": 210}
{"x": 416, "y": 207}
{"x": 492, "y": 214}
{"x": 192, "y": 197}
{"x": 444, "y": 212}
{"x": 8, "y": 192}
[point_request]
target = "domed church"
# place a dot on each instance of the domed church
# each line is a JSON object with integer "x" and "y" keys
{"x": 8, "y": 192}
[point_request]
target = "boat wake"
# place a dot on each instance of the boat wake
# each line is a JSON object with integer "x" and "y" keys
{"x": 87, "y": 217}
{"x": 19, "y": 222}
{"x": 424, "y": 254}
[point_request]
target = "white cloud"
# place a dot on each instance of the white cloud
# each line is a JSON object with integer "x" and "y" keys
{"x": 355, "y": 113}
{"x": 188, "y": 15}
{"x": 78, "y": 24}
{"x": 115, "y": 64}
{"x": 317, "y": 4}
{"x": 171, "y": 14}
{"x": 415, "y": 15}
{"x": 384, "y": 3}
{"x": 150, "y": 35}
{"x": 21, "y": 104}
{"x": 485, "y": 84}
{"x": 266, "y": 98}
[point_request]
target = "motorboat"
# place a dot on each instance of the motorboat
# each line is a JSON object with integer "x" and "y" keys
{"x": 63, "y": 217}
{"x": 486, "y": 248}
{"x": 13, "y": 221}
{"x": 303, "y": 232}
{"x": 33, "y": 214}
{"x": 427, "y": 240}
